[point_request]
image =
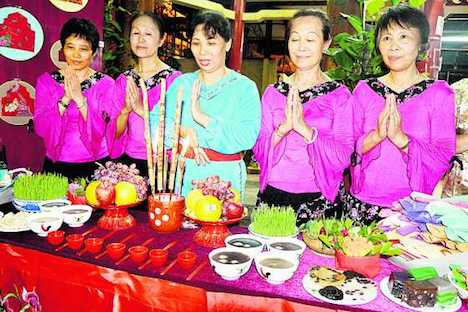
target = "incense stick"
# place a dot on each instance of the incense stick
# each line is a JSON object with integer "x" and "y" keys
{"x": 181, "y": 166}
{"x": 175, "y": 145}
{"x": 160, "y": 143}
{"x": 149, "y": 149}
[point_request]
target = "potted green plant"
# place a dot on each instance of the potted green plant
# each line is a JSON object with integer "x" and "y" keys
{"x": 272, "y": 222}
{"x": 355, "y": 55}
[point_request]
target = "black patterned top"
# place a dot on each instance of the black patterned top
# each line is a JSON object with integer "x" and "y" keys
{"x": 380, "y": 88}
{"x": 85, "y": 84}
{"x": 308, "y": 94}
{"x": 152, "y": 81}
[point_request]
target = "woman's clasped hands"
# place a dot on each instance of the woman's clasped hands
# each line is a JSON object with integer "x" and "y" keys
{"x": 389, "y": 124}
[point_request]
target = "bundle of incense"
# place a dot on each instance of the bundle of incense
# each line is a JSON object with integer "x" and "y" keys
{"x": 181, "y": 166}
{"x": 160, "y": 142}
{"x": 175, "y": 145}
{"x": 149, "y": 148}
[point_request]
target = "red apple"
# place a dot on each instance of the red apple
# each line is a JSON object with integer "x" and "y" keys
{"x": 105, "y": 194}
{"x": 232, "y": 210}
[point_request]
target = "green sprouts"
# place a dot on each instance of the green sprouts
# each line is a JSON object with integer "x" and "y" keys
{"x": 40, "y": 187}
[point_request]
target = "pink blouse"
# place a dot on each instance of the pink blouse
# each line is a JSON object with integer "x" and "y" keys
{"x": 71, "y": 138}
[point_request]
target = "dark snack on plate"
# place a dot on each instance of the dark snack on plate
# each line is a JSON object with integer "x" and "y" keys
{"x": 419, "y": 294}
{"x": 396, "y": 283}
{"x": 351, "y": 274}
{"x": 331, "y": 292}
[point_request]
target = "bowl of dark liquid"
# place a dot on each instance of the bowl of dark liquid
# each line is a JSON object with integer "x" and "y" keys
{"x": 230, "y": 263}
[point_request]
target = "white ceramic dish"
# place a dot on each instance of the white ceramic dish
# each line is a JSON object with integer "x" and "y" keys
{"x": 283, "y": 268}
{"x": 247, "y": 243}
{"x": 54, "y": 206}
{"x": 227, "y": 268}
{"x": 44, "y": 222}
{"x": 76, "y": 215}
{"x": 267, "y": 238}
{"x": 369, "y": 293}
{"x": 34, "y": 205}
{"x": 463, "y": 293}
{"x": 17, "y": 222}
{"x": 437, "y": 308}
{"x": 289, "y": 247}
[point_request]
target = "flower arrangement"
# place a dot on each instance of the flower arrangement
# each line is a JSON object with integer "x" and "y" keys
{"x": 351, "y": 239}
{"x": 274, "y": 221}
{"x": 76, "y": 191}
{"x": 28, "y": 301}
{"x": 40, "y": 187}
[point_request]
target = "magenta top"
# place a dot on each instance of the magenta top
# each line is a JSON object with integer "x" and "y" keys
{"x": 293, "y": 165}
{"x": 132, "y": 140}
{"x": 70, "y": 138}
{"x": 385, "y": 173}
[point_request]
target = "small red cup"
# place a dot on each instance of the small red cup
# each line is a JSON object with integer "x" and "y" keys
{"x": 94, "y": 244}
{"x": 75, "y": 241}
{"x": 55, "y": 237}
{"x": 186, "y": 259}
{"x": 158, "y": 257}
{"x": 116, "y": 250}
{"x": 138, "y": 253}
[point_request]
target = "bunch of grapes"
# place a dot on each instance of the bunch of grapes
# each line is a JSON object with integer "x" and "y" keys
{"x": 214, "y": 186}
{"x": 112, "y": 173}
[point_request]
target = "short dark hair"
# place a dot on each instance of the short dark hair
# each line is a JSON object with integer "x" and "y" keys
{"x": 214, "y": 22}
{"x": 82, "y": 28}
{"x": 322, "y": 16}
{"x": 157, "y": 20}
{"x": 405, "y": 17}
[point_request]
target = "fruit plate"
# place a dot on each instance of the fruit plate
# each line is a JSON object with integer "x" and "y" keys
{"x": 384, "y": 287}
{"x": 213, "y": 233}
{"x": 116, "y": 217}
{"x": 355, "y": 290}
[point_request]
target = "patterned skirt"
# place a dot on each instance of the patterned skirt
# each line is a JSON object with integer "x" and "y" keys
{"x": 358, "y": 210}
{"x": 308, "y": 206}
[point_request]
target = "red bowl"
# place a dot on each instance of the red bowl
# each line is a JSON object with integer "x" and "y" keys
{"x": 94, "y": 244}
{"x": 158, "y": 257}
{"x": 55, "y": 237}
{"x": 75, "y": 241}
{"x": 116, "y": 250}
{"x": 186, "y": 259}
{"x": 138, "y": 253}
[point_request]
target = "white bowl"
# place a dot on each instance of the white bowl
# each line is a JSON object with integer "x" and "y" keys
{"x": 44, "y": 222}
{"x": 76, "y": 215}
{"x": 278, "y": 270}
{"x": 34, "y": 205}
{"x": 267, "y": 238}
{"x": 230, "y": 269}
{"x": 54, "y": 206}
{"x": 247, "y": 243}
{"x": 292, "y": 248}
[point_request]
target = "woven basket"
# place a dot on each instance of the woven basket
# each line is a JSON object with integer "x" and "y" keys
{"x": 317, "y": 245}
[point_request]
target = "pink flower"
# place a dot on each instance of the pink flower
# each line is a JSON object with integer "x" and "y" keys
{"x": 32, "y": 299}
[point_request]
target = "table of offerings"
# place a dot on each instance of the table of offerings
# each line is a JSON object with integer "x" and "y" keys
{"x": 76, "y": 280}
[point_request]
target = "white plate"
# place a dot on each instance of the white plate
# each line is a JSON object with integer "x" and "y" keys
{"x": 313, "y": 288}
{"x": 437, "y": 308}
{"x": 14, "y": 230}
{"x": 462, "y": 292}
